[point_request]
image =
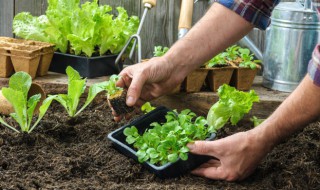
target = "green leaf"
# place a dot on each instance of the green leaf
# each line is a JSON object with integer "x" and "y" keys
{"x": 146, "y": 107}
{"x": 32, "y": 104}
{"x": 94, "y": 90}
{"x": 18, "y": 100}
{"x": 173, "y": 157}
{"x": 7, "y": 125}
{"x": 42, "y": 110}
{"x": 21, "y": 81}
{"x": 130, "y": 139}
{"x": 183, "y": 156}
{"x": 130, "y": 131}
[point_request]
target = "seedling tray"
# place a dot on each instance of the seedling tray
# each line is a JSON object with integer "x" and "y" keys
{"x": 168, "y": 170}
{"x": 89, "y": 67}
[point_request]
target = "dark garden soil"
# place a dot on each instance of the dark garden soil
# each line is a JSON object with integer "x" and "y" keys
{"x": 75, "y": 154}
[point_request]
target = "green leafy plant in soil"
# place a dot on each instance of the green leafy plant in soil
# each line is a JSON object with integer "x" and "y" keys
{"x": 116, "y": 95}
{"x": 166, "y": 142}
{"x": 256, "y": 121}
{"x": 76, "y": 87}
{"x": 88, "y": 29}
{"x": 160, "y": 51}
{"x": 24, "y": 108}
{"x": 147, "y": 107}
{"x": 218, "y": 61}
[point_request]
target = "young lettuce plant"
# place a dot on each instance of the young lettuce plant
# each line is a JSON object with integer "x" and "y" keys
{"x": 160, "y": 51}
{"x": 17, "y": 95}
{"x": 218, "y": 61}
{"x": 247, "y": 59}
{"x": 76, "y": 87}
{"x": 147, "y": 107}
{"x": 116, "y": 95}
{"x": 232, "y": 105}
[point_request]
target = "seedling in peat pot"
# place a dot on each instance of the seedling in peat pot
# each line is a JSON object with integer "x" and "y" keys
{"x": 76, "y": 87}
{"x": 247, "y": 59}
{"x": 17, "y": 95}
{"x": 116, "y": 95}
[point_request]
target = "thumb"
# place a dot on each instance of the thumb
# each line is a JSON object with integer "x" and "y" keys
{"x": 202, "y": 148}
{"x": 134, "y": 90}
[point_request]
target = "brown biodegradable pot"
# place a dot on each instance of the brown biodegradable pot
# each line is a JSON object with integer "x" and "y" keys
{"x": 194, "y": 81}
{"x": 219, "y": 76}
{"x": 118, "y": 103}
{"x": 6, "y": 108}
{"x": 242, "y": 78}
{"x": 45, "y": 60}
{"x": 25, "y": 58}
{"x": 6, "y": 67}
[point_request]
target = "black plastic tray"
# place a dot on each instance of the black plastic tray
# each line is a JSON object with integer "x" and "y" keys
{"x": 168, "y": 170}
{"x": 89, "y": 67}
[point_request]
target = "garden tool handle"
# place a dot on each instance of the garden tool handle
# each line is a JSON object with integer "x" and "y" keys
{"x": 151, "y": 2}
{"x": 185, "y": 20}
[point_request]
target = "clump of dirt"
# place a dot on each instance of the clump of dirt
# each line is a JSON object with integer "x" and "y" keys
{"x": 64, "y": 153}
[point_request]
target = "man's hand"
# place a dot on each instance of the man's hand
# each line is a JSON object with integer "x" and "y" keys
{"x": 148, "y": 80}
{"x": 237, "y": 156}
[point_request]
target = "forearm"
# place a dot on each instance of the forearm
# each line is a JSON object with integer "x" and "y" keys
{"x": 218, "y": 29}
{"x": 297, "y": 111}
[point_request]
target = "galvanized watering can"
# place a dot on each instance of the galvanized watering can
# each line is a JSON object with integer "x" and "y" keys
{"x": 290, "y": 40}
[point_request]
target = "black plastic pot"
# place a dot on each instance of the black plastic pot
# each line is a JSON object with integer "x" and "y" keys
{"x": 89, "y": 67}
{"x": 168, "y": 170}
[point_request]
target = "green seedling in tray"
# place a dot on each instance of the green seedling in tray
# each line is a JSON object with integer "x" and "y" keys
{"x": 167, "y": 142}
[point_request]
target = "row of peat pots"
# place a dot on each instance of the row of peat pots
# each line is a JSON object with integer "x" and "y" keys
{"x": 240, "y": 78}
{"x": 32, "y": 57}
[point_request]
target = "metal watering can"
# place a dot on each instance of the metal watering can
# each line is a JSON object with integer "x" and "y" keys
{"x": 290, "y": 40}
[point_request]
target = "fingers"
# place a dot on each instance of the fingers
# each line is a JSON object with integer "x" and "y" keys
{"x": 203, "y": 148}
{"x": 211, "y": 172}
{"x": 134, "y": 90}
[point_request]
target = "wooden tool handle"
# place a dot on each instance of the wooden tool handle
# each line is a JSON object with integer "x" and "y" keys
{"x": 151, "y": 2}
{"x": 185, "y": 20}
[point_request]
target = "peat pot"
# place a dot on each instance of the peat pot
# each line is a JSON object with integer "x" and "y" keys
{"x": 290, "y": 40}
{"x": 168, "y": 170}
{"x": 89, "y": 67}
{"x": 6, "y": 108}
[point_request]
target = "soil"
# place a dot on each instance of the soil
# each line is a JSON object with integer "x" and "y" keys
{"x": 65, "y": 153}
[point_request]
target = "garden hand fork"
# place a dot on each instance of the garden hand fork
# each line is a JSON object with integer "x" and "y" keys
{"x": 148, "y": 4}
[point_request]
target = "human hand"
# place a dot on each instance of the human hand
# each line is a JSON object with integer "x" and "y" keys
{"x": 148, "y": 80}
{"x": 237, "y": 156}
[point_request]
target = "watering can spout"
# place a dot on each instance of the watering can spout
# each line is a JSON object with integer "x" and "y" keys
{"x": 246, "y": 42}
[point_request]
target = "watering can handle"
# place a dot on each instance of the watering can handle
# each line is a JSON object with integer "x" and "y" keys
{"x": 151, "y": 2}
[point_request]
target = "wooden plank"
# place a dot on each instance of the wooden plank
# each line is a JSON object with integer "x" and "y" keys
{"x": 199, "y": 10}
{"x": 35, "y": 7}
{"x": 160, "y": 27}
{"x": 6, "y": 17}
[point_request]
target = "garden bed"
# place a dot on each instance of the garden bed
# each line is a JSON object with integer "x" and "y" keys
{"x": 75, "y": 154}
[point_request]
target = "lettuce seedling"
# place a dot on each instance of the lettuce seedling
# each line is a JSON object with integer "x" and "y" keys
{"x": 167, "y": 142}
{"x": 147, "y": 107}
{"x": 116, "y": 95}
{"x": 76, "y": 87}
{"x": 247, "y": 59}
{"x": 218, "y": 60}
{"x": 232, "y": 105}
{"x": 17, "y": 95}
{"x": 160, "y": 51}
{"x": 256, "y": 121}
